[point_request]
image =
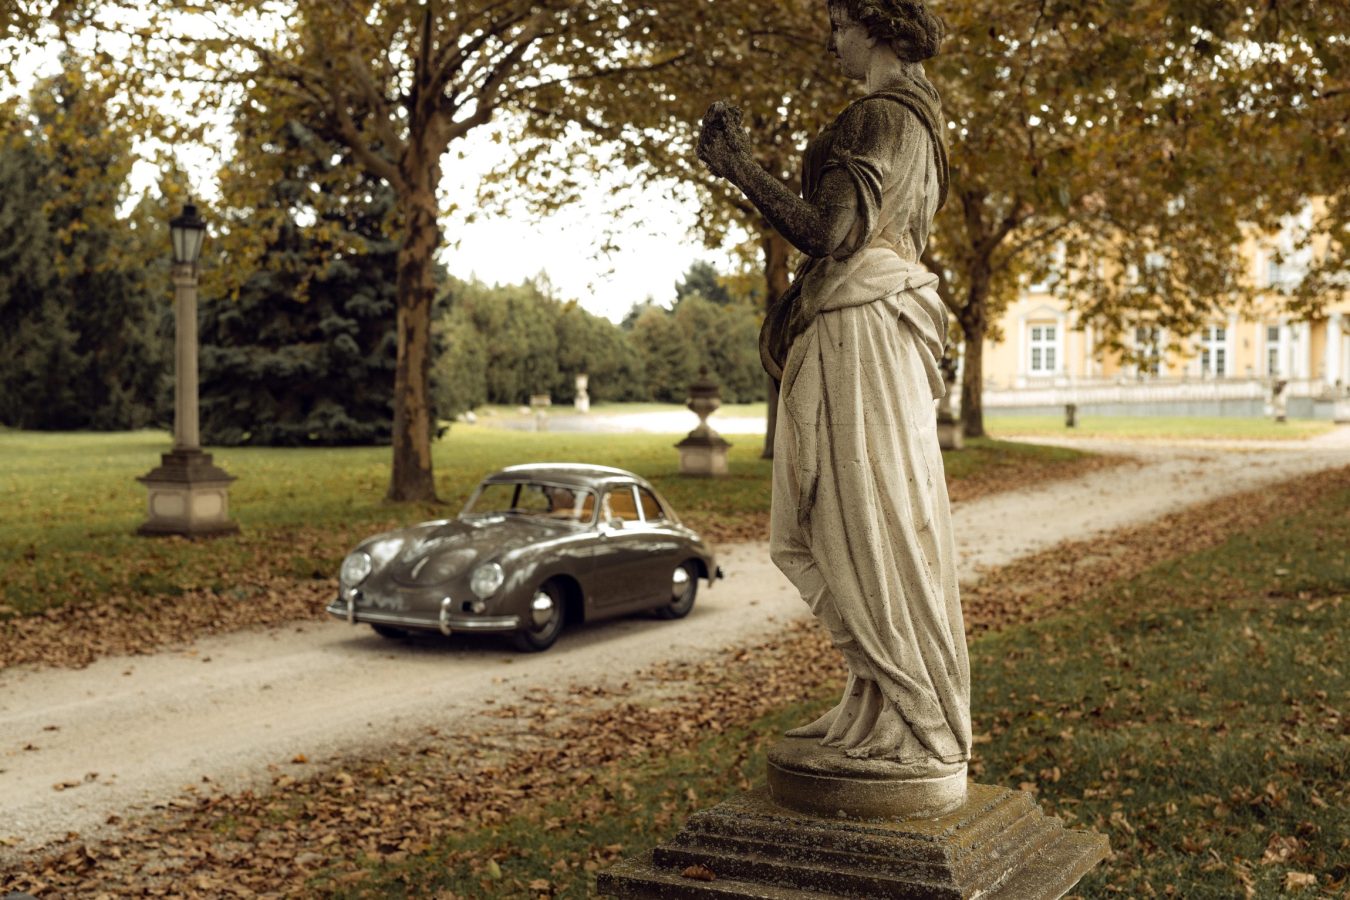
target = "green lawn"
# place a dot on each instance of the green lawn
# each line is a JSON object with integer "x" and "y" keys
{"x": 73, "y": 503}
{"x": 1157, "y": 427}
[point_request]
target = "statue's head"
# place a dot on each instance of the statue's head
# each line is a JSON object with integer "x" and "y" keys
{"x": 913, "y": 32}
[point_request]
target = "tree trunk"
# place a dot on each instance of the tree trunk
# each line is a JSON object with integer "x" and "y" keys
{"x": 973, "y": 326}
{"x": 776, "y": 254}
{"x": 411, "y": 477}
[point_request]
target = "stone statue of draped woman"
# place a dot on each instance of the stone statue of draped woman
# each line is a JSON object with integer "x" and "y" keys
{"x": 861, "y": 522}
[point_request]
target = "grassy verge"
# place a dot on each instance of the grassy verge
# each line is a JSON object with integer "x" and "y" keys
{"x": 68, "y": 554}
{"x": 1188, "y": 702}
{"x": 1158, "y": 427}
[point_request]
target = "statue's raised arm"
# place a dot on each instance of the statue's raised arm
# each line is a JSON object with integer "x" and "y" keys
{"x": 816, "y": 229}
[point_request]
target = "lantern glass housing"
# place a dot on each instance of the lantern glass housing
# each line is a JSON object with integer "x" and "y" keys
{"x": 188, "y": 231}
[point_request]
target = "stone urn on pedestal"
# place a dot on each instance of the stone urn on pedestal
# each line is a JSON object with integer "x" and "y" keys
{"x": 703, "y": 451}
{"x": 582, "y": 403}
{"x": 948, "y": 425}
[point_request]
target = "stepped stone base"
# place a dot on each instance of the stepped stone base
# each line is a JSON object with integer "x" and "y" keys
{"x": 188, "y": 495}
{"x": 997, "y": 846}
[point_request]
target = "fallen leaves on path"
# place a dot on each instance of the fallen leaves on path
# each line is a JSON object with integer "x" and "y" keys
{"x": 74, "y": 635}
{"x": 329, "y": 827}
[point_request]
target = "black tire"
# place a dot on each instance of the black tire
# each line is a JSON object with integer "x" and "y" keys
{"x": 537, "y": 636}
{"x": 684, "y": 580}
{"x": 389, "y": 631}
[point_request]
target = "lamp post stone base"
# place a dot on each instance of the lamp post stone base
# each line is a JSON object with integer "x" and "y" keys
{"x": 189, "y": 495}
{"x": 997, "y": 845}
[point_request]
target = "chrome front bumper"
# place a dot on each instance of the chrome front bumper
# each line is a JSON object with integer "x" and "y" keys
{"x": 346, "y": 609}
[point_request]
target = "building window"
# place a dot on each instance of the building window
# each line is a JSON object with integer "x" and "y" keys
{"x": 1214, "y": 351}
{"x": 1043, "y": 346}
{"x": 1272, "y": 349}
{"x": 1148, "y": 349}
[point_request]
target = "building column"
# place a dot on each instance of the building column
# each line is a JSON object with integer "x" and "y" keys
{"x": 1304, "y": 362}
{"x": 1333, "y": 368}
{"x": 1062, "y": 346}
{"x": 1230, "y": 347}
{"x": 1286, "y": 356}
{"x": 1023, "y": 351}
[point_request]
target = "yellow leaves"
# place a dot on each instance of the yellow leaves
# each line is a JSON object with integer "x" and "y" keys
{"x": 699, "y": 873}
{"x": 1280, "y": 850}
{"x": 1297, "y": 881}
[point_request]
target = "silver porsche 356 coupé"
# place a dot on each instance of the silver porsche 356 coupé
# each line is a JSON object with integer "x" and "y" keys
{"x": 536, "y": 546}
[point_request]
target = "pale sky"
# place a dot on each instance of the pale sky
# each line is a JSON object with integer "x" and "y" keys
{"x": 655, "y": 247}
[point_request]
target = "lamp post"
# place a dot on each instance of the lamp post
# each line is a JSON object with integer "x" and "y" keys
{"x": 188, "y": 493}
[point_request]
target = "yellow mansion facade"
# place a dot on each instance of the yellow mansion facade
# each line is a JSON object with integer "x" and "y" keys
{"x": 1048, "y": 357}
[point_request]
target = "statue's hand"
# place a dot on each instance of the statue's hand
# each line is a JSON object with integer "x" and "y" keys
{"x": 722, "y": 140}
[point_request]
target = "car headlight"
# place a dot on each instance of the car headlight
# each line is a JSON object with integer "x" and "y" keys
{"x": 355, "y": 568}
{"x": 486, "y": 580}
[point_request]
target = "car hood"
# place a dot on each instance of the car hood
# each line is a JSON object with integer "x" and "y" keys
{"x": 436, "y": 552}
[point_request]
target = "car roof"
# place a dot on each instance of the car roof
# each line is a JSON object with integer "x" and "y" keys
{"x": 567, "y": 473}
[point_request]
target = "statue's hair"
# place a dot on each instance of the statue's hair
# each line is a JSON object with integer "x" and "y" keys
{"x": 911, "y": 29}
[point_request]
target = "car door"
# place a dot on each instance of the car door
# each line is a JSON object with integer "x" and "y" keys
{"x": 664, "y": 549}
{"x": 624, "y": 574}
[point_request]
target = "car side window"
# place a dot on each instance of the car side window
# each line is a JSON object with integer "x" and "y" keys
{"x": 587, "y": 508}
{"x": 651, "y": 509}
{"x": 619, "y": 504}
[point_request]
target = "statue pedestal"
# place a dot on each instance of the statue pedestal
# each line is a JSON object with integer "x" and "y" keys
{"x": 823, "y": 781}
{"x": 949, "y": 433}
{"x": 996, "y": 846}
{"x": 189, "y": 495}
{"x": 703, "y": 453}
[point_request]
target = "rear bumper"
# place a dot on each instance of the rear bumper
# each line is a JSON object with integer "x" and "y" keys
{"x": 346, "y": 609}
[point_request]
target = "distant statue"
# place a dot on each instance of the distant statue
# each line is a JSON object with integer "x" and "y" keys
{"x": 860, "y": 521}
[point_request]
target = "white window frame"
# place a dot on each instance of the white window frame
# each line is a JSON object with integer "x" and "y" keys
{"x": 1213, "y": 347}
{"x": 1043, "y": 348}
{"x": 1274, "y": 352}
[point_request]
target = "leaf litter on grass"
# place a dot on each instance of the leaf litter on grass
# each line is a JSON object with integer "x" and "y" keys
{"x": 262, "y": 581}
{"x": 565, "y": 782}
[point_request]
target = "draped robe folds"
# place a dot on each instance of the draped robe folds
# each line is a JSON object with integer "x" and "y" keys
{"x": 860, "y": 520}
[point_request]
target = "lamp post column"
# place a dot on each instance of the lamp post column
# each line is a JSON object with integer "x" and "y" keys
{"x": 186, "y": 433}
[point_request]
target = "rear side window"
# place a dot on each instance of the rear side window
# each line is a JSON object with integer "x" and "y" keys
{"x": 651, "y": 509}
{"x": 620, "y": 504}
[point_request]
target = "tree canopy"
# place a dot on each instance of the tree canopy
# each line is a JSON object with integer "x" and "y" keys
{"x": 81, "y": 312}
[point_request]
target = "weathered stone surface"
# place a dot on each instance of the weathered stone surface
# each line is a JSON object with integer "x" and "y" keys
{"x": 188, "y": 495}
{"x": 997, "y": 845}
{"x": 825, "y": 781}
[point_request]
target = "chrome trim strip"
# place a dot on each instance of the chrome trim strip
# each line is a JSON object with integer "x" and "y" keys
{"x": 484, "y": 623}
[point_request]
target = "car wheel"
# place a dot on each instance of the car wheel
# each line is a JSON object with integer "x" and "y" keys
{"x": 683, "y": 590}
{"x": 545, "y": 619}
{"x": 389, "y": 631}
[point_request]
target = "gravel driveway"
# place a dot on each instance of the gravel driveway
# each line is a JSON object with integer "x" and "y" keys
{"x": 125, "y": 735}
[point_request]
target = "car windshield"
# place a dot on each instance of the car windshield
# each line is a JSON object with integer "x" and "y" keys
{"x": 531, "y": 498}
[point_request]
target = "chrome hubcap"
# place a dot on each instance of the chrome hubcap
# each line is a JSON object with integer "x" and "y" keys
{"x": 541, "y": 609}
{"x": 679, "y": 583}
